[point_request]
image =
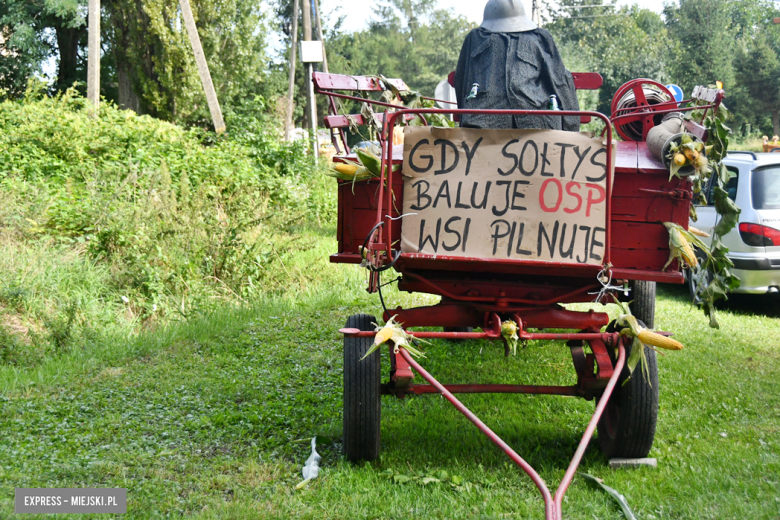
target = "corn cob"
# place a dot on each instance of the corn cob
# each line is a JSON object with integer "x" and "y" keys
{"x": 393, "y": 331}
{"x": 346, "y": 169}
{"x": 687, "y": 254}
{"x": 679, "y": 246}
{"x": 679, "y": 159}
{"x": 383, "y": 335}
{"x": 656, "y": 340}
{"x": 509, "y": 332}
{"x": 684, "y": 248}
{"x": 698, "y": 232}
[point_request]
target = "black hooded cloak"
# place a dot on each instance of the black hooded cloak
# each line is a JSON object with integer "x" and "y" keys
{"x": 514, "y": 71}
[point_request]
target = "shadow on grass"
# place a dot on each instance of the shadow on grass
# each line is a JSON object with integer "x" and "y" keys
{"x": 737, "y": 304}
{"x": 437, "y": 435}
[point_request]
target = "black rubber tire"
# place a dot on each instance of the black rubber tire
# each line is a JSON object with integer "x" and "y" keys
{"x": 362, "y": 394}
{"x": 627, "y": 426}
{"x": 643, "y": 301}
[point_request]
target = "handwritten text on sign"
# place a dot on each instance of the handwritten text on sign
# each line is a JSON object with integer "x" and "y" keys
{"x": 507, "y": 194}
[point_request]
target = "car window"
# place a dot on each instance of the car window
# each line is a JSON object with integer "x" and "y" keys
{"x": 765, "y": 188}
{"x": 730, "y": 187}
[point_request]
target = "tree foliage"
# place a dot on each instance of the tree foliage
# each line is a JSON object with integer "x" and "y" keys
{"x": 620, "y": 44}
{"x": 758, "y": 67}
{"x": 703, "y": 42}
{"x": 407, "y": 39}
{"x": 32, "y": 31}
{"x": 147, "y": 55}
{"x": 153, "y": 54}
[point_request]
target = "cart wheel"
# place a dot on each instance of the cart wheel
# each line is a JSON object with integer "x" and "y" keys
{"x": 643, "y": 301}
{"x": 362, "y": 405}
{"x": 627, "y": 426}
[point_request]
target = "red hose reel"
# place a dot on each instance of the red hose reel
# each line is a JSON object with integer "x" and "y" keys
{"x": 636, "y": 106}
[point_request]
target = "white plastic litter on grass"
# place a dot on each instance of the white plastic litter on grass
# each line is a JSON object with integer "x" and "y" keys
{"x": 312, "y": 467}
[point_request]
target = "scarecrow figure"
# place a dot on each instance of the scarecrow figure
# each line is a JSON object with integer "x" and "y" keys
{"x": 510, "y": 63}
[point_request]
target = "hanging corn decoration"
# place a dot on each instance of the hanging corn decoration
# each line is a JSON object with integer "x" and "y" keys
{"x": 642, "y": 338}
{"x": 509, "y": 332}
{"x": 392, "y": 331}
{"x": 633, "y": 328}
{"x": 681, "y": 243}
{"x": 698, "y": 232}
{"x": 346, "y": 169}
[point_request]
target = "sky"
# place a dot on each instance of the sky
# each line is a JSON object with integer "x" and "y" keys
{"x": 358, "y": 12}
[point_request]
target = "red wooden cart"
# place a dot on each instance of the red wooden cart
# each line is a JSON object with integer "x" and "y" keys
{"x": 481, "y": 293}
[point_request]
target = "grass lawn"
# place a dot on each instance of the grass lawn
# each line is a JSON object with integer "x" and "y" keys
{"x": 212, "y": 420}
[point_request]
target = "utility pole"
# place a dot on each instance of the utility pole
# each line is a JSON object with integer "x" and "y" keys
{"x": 319, "y": 35}
{"x": 311, "y": 103}
{"x": 93, "y": 56}
{"x": 288, "y": 121}
{"x": 203, "y": 67}
{"x": 535, "y": 16}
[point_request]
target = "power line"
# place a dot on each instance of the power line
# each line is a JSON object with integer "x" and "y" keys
{"x": 594, "y": 16}
{"x": 584, "y": 6}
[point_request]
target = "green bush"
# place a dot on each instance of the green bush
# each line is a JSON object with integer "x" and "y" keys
{"x": 177, "y": 221}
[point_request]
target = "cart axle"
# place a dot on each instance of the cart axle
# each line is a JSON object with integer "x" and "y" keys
{"x": 607, "y": 338}
{"x": 572, "y": 391}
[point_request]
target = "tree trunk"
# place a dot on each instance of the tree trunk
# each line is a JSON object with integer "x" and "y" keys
{"x": 68, "y": 46}
{"x": 130, "y": 24}
{"x": 776, "y": 121}
{"x": 126, "y": 96}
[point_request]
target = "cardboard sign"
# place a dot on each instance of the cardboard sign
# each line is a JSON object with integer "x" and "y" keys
{"x": 537, "y": 195}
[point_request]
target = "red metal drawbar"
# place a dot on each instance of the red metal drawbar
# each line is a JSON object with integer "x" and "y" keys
{"x": 552, "y": 504}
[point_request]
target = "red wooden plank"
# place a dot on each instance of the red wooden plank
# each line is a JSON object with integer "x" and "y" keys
{"x": 342, "y": 122}
{"x": 345, "y": 258}
{"x": 629, "y": 184}
{"x": 696, "y": 129}
{"x": 705, "y": 94}
{"x": 625, "y": 158}
{"x": 587, "y": 80}
{"x": 325, "y": 81}
{"x": 363, "y": 220}
{"x": 582, "y": 80}
{"x": 365, "y": 195}
{"x": 639, "y": 235}
{"x": 345, "y": 198}
{"x": 647, "y": 163}
{"x": 644, "y": 259}
{"x": 441, "y": 264}
{"x": 646, "y": 209}
{"x": 668, "y": 276}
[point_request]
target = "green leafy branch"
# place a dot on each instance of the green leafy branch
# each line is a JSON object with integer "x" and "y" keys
{"x": 716, "y": 262}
